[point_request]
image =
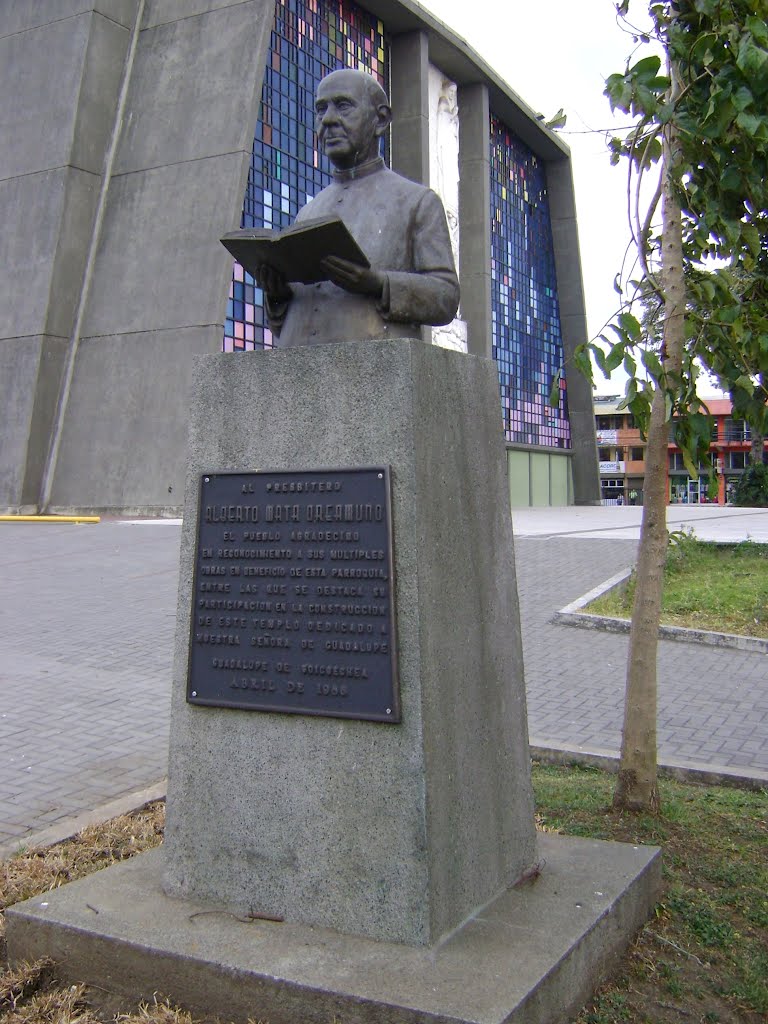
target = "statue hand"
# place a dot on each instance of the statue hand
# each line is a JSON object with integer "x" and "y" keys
{"x": 273, "y": 284}
{"x": 352, "y": 277}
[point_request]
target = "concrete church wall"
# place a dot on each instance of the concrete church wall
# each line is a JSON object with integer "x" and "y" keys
{"x": 60, "y": 69}
{"x": 129, "y": 160}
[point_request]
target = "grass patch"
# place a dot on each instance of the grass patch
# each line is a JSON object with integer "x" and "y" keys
{"x": 720, "y": 587}
{"x": 703, "y": 957}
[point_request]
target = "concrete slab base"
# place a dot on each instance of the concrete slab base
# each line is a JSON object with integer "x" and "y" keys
{"x": 534, "y": 954}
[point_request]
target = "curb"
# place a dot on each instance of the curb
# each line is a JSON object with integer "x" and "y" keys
{"x": 680, "y": 771}
{"x": 572, "y": 615}
{"x": 69, "y": 827}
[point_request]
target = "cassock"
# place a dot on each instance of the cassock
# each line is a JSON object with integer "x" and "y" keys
{"x": 401, "y": 227}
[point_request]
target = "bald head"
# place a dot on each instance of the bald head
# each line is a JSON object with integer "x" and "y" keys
{"x": 351, "y": 114}
{"x": 370, "y": 85}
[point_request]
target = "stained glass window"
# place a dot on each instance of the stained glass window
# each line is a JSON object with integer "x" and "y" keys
{"x": 527, "y": 343}
{"x": 309, "y": 39}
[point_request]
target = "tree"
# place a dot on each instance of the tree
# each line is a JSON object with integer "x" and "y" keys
{"x": 752, "y": 488}
{"x": 733, "y": 340}
{"x": 703, "y": 125}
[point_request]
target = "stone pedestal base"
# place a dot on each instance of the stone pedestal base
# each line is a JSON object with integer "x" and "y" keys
{"x": 534, "y": 954}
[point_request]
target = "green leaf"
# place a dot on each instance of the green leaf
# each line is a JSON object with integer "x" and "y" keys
{"x": 702, "y": 48}
{"x": 690, "y": 465}
{"x": 615, "y": 358}
{"x": 708, "y": 290}
{"x": 751, "y": 59}
{"x": 742, "y": 98}
{"x": 652, "y": 363}
{"x": 752, "y": 239}
{"x": 599, "y": 357}
{"x": 758, "y": 28}
{"x": 554, "y": 392}
{"x": 708, "y": 7}
{"x": 749, "y": 122}
{"x": 631, "y": 326}
{"x": 651, "y": 153}
{"x": 646, "y": 69}
{"x": 731, "y": 178}
{"x": 619, "y": 92}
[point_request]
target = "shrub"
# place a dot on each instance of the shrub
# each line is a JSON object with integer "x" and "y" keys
{"x": 752, "y": 488}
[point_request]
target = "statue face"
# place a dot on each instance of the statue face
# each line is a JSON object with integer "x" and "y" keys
{"x": 346, "y": 120}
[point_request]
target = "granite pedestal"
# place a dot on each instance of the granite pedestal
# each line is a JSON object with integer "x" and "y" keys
{"x": 396, "y": 832}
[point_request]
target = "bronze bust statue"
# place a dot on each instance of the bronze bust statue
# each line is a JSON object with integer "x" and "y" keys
{"x": 399, "y": 225}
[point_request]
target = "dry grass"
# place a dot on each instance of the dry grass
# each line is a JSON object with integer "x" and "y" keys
{"x": 53, "y": 1006}
{"x": 39, "y": 870}
{"x": 22, "y": 982}
{"x": 29, "y": 993}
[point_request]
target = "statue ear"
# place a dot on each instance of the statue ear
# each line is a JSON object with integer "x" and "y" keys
{"x": 383, "y": 118}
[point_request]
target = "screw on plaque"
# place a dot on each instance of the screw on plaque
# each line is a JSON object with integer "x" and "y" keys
{"x": 381, "y": 476}
{"x": 194, "y": 693}
{"x": 389, "y": 711}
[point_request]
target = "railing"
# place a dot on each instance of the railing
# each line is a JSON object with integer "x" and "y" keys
{"x": 737, "y": 432}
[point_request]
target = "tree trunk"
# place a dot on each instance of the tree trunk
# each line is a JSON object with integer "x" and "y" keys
{"x": 756, "y": 448}
{"x": 637, "y": 786}
{"x": 757, "y": 444}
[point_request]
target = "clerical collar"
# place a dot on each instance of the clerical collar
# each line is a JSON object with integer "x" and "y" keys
{"x": 361, "y": 171}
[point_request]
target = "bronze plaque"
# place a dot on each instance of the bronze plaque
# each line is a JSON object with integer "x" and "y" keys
{"x": 292, "y": 608}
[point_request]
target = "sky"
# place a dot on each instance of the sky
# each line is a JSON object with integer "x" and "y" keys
{"x": 553, "y": 54}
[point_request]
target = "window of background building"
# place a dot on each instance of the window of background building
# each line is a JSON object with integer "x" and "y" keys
{"x": 735, "y": 430}
{"x": 638, "y": 454}
{"x": 737, "y": 460}
{"x": 608, "y": 422}
{"x": 611, "y": 488}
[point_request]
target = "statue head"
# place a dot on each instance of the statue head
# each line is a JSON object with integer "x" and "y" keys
{"x": 351, "y": 114}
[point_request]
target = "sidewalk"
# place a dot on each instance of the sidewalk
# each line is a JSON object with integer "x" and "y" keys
{"x": 87, "y": 616}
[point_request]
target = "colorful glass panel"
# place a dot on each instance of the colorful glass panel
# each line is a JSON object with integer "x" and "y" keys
{"x": 525, "y": 316}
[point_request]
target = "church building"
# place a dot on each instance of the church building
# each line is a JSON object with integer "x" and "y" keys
{"x": 151, "y": 128}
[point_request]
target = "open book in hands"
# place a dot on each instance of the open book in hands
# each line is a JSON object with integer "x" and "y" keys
{"x": 295, "y": 251}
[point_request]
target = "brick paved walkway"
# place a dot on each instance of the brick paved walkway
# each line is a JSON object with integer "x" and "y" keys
{"x": 86, "y": 623}
{"x": 87, "y": 615}
{"x": 713, "y": 702}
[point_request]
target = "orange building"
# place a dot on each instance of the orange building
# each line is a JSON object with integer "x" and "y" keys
{"x": 621, "y": 455}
